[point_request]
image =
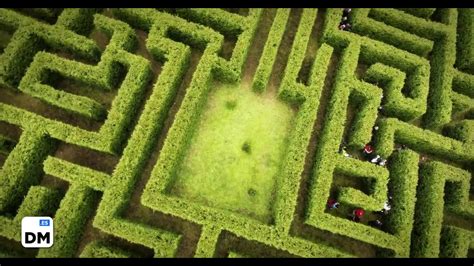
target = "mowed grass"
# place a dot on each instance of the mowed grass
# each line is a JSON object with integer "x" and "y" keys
{"x": 236, "y": 152}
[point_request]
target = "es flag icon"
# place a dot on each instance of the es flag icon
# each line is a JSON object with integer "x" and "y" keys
{"x": 37, "y": 232}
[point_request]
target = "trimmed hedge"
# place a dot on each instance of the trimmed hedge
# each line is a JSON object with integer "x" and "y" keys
{"x": 442, "y": 59}
{"x": 268, "y": 58}
{"x": 136, "y": 153}
{"x": 403, "y": 182}
{"x": 396, "y": 104}
{"x": 38, "y": 73}
{"x": 69, "y": 221}
{"x": 76, "y": 174}
{"x": 39, "y": 201}
{"x": 99, "y": 249}
{"x": 207, "y": 242}
{"x": 78, "y": 20}
{"x": 419, "y": 12}
{"x": 462, "y": 130}
{"x": 393, "y": 131}
{"x": 454, "y": 242}
{"x": 23, "y": 167}
{"x": 290, "y": 90}
{"x": 174, "y": 148}
{"x": 373, "y": 173}
{"x": 373, "y": 28}
{"x": 32, "y": 37}
{"x": 430, "y": 206}
{"x": 463, "y": 83}
{"x": 465, "y": 41}
{"x": 294, "y": 159}
{"x": 415, "y": 25}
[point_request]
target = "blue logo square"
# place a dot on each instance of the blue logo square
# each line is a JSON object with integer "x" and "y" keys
{"x": 44, "y": 222}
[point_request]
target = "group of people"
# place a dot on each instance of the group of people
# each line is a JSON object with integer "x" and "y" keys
{"x": 345, "y": 25}
{"x": 358, "y": 212}
{"x": 370, "y": 155}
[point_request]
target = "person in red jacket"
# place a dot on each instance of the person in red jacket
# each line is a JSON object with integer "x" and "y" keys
{"x": 368, "y": 151}
{"x": 357, "y": 214}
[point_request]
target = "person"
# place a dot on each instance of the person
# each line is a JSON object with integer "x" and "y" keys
{"x": 344, "y": 152}
{"x": 401, "y": 147}
{"x": 376, "y": 223}
{"x": 332, "y": 204}
{"x": 386, "y": 206}
{"x": 342, "y": 26}
{"x": 368, "y": 149}
{"x": 346, "y": 11}
{"x": 348, "y": 27}
{"x": 357, "y": 214}
{"x": 344, "y": 19}
{"x": 376, "y": 159}
{"x": 382, "y": 162}
{"x": 376, "y": 128}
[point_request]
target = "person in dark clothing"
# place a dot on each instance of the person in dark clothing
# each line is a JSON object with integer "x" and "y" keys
{"x": 376, "y": 223}
{"x": 346, "y": 11}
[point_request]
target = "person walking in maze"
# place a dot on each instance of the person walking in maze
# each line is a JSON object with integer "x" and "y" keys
{"x": 344, "y": 152}
{"x": 386, "y": 206}
{"x": 368, "y": 149}
{"x": 357, "y": 214}
{"x": 332, "y": 204}
{"x": 376, "y": 223}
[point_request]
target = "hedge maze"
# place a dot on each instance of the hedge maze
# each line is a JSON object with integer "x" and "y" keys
{"x": 110, "y": 123}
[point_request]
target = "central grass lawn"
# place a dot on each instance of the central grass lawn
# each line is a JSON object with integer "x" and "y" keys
{"x": 235, "y": 154}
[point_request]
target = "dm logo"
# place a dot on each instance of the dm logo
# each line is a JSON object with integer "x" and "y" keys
{"x": 37, "y": 232}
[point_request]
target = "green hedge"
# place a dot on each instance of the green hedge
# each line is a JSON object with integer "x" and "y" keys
{"x": 69, "y": 221}
{"x": 403, "y": 182}
{"x": 454, "y": 242}
{"x": 139, "y": 148}
{"x": 420, "y": 12}
{"x": 23, "y": 168}
{"x": 442, "y": 59}
{"x": 392, "y": 131}
{"x": 373, "y": 173}
{"x": 78, "y": 20}
{"x": 290, "y": 90}
{"x": 268, "y": 58}
{"x": 226, "y": 22}
{"x": 32, "y": 37}
{"x": 415, "y": 25}
{"x": 208, "y": 242}
{"x": 431, "y": 202}
{"x": 462, "y": 130}
{"x": 38, "y": 73}
{"x": 301, "y": 135}
{"x": 465, "y": 42}
{"x": 373, "y": 28}
{"x": 98, "y": 249}
{"x": 76, "y": 174}
{"x": 463, "y": 83}
{"x": 396, "y": 104}
{"x": 39, "y": 201}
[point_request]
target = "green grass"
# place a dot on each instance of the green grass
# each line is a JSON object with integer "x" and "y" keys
{"x": 236, "y": 152}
